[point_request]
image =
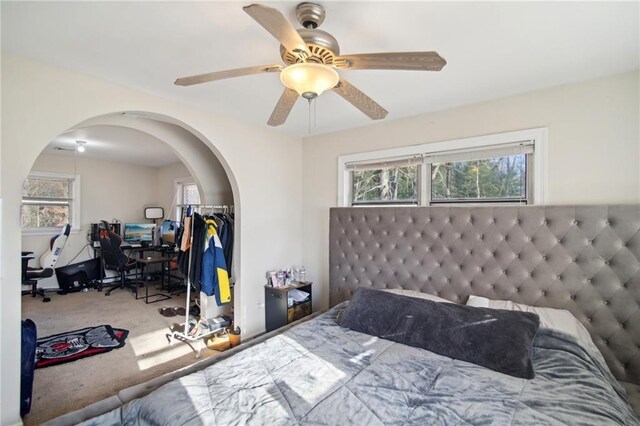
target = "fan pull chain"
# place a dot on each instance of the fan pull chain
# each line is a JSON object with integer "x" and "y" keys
{"x": 315, "y": 112}
{"x": 309, "y": 116}
{"x": 75, "y": 167}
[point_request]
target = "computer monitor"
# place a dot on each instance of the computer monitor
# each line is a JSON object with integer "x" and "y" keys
{"x": 138, "y": 232}
{"x": 77, "y": 276}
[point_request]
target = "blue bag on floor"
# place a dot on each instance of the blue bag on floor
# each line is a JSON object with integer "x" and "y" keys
{"x": 28, "y": 364}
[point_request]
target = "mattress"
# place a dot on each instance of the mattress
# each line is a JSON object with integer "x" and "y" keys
{"x": 320, "y": 373}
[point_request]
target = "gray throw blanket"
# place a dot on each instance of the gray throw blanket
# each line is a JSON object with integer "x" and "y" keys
{"x": 321, "y": 373}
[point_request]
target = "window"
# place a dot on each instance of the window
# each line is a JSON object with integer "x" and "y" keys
{"x": 186, "y": 193}
{"x": 385, "y": 185}
{"x": 50, "y": 200}
{"x": 497, "y": 169}
{"x": 493, "y": 179}
{"x": 190, "y": 194}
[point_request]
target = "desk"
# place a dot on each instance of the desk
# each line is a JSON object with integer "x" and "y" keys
{"x": 143, "y": 264}
{"x": 132, "y": 248}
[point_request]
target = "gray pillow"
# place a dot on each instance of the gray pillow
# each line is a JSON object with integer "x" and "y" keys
{"x": 493, "y": 338}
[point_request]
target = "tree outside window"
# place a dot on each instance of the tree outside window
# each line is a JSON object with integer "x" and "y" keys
{"x": 499, "y": 178}
{"x": 46, "y": 202}
{"x": 387, "y": 185}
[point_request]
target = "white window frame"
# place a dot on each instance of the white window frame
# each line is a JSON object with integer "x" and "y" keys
{"x": 75, "y": 206}
{"x": 180, "y": 183}
{"x": 537, "y": 176}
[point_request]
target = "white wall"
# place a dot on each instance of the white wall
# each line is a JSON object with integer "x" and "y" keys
{"x": 593, "y": 150}
{"x": 39, "y": 102}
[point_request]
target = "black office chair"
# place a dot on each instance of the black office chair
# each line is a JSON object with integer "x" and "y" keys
{"x": 47, "y": 263}
{"x": 114, "y": 259}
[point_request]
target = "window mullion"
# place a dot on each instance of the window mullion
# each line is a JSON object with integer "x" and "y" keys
{"x": 425, "y": 183}
{"x": 529, "y": 179}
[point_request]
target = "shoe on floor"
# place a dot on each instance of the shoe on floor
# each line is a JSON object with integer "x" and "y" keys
{"x": 167, "y": 312}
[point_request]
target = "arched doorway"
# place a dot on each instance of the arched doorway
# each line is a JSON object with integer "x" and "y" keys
{"x": 198, "y": 158}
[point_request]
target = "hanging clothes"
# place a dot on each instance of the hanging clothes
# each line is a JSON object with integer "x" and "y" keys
{"x": 198, "y": 246}
{"x": 185, "y": 242}
{"x": 210, "y": 239}
{"x": 227, "y": 239}
{"x": 225, "y": 232}
{"x": 215, "y": 276}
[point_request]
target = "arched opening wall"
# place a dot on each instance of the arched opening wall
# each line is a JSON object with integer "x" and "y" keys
{"x": 264, "y": 168}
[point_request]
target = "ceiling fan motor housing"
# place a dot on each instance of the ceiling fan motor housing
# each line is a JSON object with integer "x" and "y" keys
{"x": 322, "y": 45}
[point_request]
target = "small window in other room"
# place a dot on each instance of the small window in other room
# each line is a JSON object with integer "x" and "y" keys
{"x": 190, "y": 194}
{"x": 187, "y": 194}
{"x": 49, "y": 201}
{"x": 386, "y": 185}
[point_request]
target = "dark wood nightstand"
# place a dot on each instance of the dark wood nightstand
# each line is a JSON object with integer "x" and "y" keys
{"x": 277, "y": 311}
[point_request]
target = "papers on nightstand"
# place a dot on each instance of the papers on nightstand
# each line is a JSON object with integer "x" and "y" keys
{"x": 297, "y": 296}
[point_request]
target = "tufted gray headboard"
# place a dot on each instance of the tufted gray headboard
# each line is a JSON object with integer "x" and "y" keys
{"x": 581, "y": 258}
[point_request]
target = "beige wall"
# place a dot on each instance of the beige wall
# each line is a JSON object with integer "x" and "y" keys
{"x": 264, "y": 167}
{"x": 593, "y": 150}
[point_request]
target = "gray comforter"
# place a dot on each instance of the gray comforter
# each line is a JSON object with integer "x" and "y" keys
{"x": 321, "y": 373}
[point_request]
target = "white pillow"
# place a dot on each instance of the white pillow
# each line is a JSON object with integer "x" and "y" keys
{"x": 557, "y": 319}
{"x": 416, "y": 294}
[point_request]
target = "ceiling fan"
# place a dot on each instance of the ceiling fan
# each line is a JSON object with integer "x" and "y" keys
{"x": 312, "y": 57}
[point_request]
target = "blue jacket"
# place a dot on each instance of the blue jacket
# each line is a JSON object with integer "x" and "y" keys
{"x": 215, "y": 277}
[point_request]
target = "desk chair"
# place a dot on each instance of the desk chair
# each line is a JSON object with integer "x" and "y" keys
{"x": 113, "y": 258}
{"x": 47, "y": 263}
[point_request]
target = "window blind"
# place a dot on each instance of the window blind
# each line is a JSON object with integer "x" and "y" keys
{"x": 481, "y": 153}
{"x": 451, "y": 156}
{"x": 385, "y": 164}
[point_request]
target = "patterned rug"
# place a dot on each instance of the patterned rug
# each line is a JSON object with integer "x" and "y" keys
{"x": 77, "y": 344}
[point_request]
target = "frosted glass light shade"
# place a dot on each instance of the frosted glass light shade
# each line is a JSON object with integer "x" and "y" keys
{"x": 309, "y": 79}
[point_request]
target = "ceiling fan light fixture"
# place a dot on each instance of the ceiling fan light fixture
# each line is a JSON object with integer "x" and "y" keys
{"x": 310, "y": 80}
{"x": 80, "y": 146}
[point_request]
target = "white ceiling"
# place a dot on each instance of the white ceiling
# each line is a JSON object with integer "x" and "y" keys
{"x": 115, "y": 143}
{"x": 493, "y": 49}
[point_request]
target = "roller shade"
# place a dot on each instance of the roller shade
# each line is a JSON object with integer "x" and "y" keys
{"x": 451, "y": 156}
{"x": 386, "y": 164}
{"x": 482, "y": 153}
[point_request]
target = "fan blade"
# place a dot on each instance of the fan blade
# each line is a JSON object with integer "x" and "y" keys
{"x": 219, "y": 75}
{"x": 283, "y": 107}
{"x": 360, "y": 100}
{"x": 274, "y": 22}
{"x": 414, "y": 61}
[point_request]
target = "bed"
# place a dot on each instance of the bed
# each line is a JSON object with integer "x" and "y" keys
{"x": 583, "y": 259}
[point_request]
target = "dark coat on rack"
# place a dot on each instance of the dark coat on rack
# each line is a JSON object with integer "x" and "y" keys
{"x": 197, "y": 246}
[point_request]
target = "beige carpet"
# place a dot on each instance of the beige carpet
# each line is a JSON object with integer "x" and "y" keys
{"x": 147, "y": 354}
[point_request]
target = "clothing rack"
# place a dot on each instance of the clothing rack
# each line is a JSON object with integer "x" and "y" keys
{"x": 184, "y": 335}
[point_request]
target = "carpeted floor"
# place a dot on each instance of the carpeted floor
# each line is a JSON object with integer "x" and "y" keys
{"x": 64, "y": 388}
